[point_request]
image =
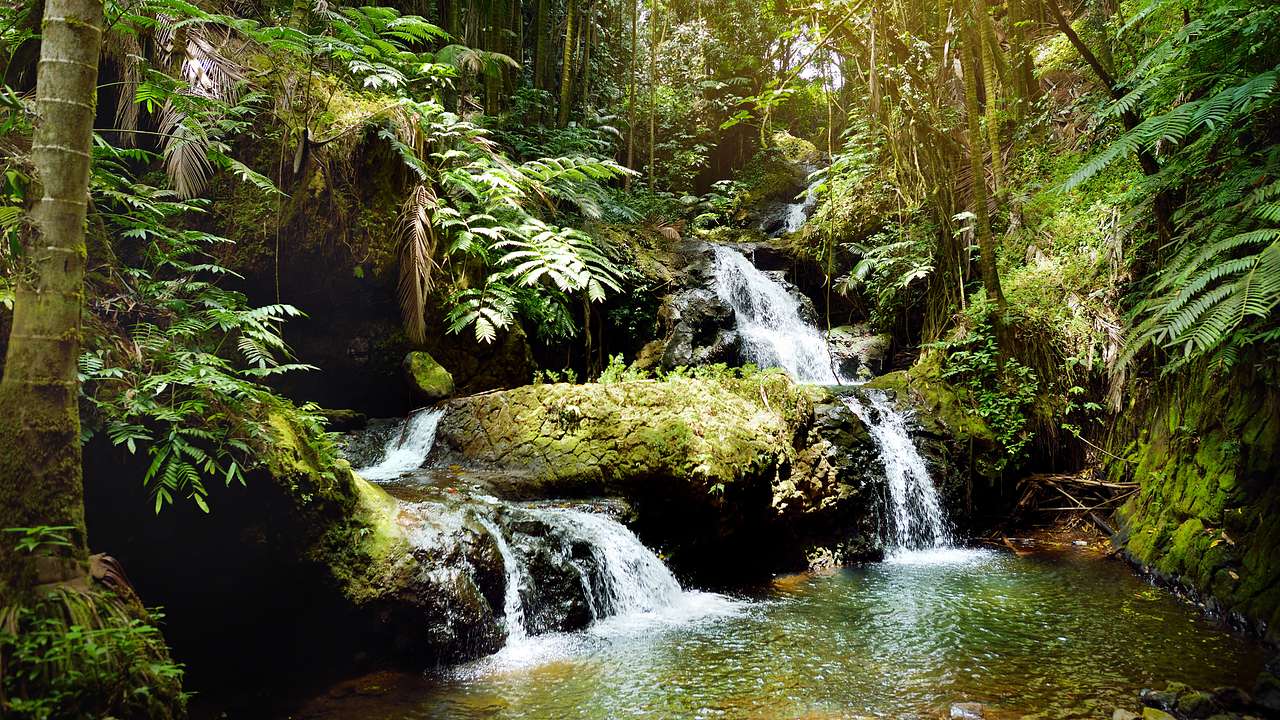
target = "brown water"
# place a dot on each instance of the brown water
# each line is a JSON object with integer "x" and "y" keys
{"x": 1060, "y": 635}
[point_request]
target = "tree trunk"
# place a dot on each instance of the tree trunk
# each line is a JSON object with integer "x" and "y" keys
{"x": 631, "y": 90}
{"x": 566, "y": 69}
{"x": 40, "y": 472}
{"x": 992, "y": 106}
{"x": 986, "y": 243}
{"x": 540, "y": 45}
{"x": 653, "y": 89}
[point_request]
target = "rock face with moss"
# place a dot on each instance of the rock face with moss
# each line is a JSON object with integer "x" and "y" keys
{"x": 427, "y": 378}
{"x": 1205, "y": 451}
{"x": 725, "y": 471}
{"x": 304, "y": 544}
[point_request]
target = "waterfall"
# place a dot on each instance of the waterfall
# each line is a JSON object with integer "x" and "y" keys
{"x": 769, "y": 321}
{"x": 916, "y": 520}
{"x": 795, "y": 214}
{"x": 406, "y": 449}
{"x": 512, "y": 605}
{"x": 618, "y": 574}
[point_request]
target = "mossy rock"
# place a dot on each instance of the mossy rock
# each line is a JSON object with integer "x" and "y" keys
{"x": 731, "y": 475}
{"x": 1205, "y": 453}
{"x": 427, "y": 378}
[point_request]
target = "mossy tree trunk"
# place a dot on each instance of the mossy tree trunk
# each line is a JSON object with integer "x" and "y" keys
{"x": 40, "y": 472}
{"x": 982, "y": 218}
{"x": 566, "y": 68}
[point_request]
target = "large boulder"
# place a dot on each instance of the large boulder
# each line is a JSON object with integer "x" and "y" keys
{"x": 732, "y": 475}
{"x": 427, "y": 378}
{"x": 859, "y": 353}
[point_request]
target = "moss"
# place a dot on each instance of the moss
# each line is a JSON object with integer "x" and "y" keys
{"x": 1204, "y": 454}
{"x": 428, "y": 378}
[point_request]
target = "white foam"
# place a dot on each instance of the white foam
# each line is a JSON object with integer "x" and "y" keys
{"x": 407, "y": 448}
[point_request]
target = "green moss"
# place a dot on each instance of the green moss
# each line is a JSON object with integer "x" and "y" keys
{"x": 1203, "y": 459}
{"x": 427, "y": 377}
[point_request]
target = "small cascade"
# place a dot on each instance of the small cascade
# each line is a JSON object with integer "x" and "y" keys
{"x": 617, "y": 573}
{"x": 916, "y": 520}
{"x": 774, "y": 334}
{"x": 512, "y": 605}
{"x": 406, "y": 449}
{"x": 796, "y": 214}
{"x": 634, "y": 580}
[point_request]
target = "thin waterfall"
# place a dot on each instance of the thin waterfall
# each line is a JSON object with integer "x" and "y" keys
{"x": 406, "y": 449}
{"x": 512, "y": 605}
{"x": 796, "y": 214}
{"x": 774, "y": 334}
{"x": 915, "y": 518}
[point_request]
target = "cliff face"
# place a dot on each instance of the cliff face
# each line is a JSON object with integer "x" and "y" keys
{"x": 1205, "y": 450}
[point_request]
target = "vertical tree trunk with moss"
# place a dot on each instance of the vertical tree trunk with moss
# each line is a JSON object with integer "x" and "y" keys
{"x": 40, "y": 473}
{"x": 986, "y": 243}
{"x": 992, "y": 109}
{"x": 631, "y": 89}
{"x": 566, "y": 68}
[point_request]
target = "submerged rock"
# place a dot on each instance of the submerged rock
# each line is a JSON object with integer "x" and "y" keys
{"x": 967, "y": 711}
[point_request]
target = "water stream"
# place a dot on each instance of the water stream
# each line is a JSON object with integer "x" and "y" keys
{"x": 769, "y": 319}
{"x": 407, "y": 448}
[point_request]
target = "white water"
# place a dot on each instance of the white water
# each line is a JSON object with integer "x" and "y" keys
{"x": 768, "y": 319}
{"x": 512, "y": 605}
{"x": 916, "y": 520}
{"x": 797, "y": 213}
{"x": 634, "y": 594}
{"x": 406, "y": 449}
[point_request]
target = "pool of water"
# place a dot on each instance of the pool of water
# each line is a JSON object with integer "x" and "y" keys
{"x": 1053, "y": 635}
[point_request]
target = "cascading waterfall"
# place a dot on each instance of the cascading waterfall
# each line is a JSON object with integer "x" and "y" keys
{"x": 512, "y": 605}
{"x": 406, "y": 449}
{"x": 774, "y": 334}
{"x": 619, "y": 575}
{"x": 916, "y": 520}
{"x": 796, "y": 214}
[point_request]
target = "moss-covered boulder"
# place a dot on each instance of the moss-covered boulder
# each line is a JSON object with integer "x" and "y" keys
{"x": 309, "y": 564}
{"x": 730, "y": 474}
{"x": 1204, "y": 448}
{"x": 427, "y": 378}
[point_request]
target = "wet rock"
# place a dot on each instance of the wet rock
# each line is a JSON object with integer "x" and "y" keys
{"x": 1122, "y": 714}
{"x": 967, "y": 711}
{"x": 858, "y": 353}
{"x": 1166, "y": 699}
{"x": 1150, "y": 713}
{"x": 1196, "y": 704}
{"x": 427, "y": 378}
{"x": 1232, "y": 698}
{"x": 699, "y": 330}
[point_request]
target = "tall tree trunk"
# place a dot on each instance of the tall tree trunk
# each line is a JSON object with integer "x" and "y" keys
{"x": 653, "y": 89}
{"x": 986, "y": 243}
{"x": 588, "y": 38}
{"x": 541, "y": 45}
{"x": 566, "y": 69}
{"x": 992, "y": 108}
{"x": 1024, "y": 81}
{"x": 631, "y": 90}
{"x": 40, "y": 472}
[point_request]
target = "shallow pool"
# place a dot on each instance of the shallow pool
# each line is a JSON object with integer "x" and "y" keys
{"x": 1061, "y": 634}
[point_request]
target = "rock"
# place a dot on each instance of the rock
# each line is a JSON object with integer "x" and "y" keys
{"x": 859, "y": 354}
{"x": 1232, "y": 698}
{"x": 1150, "y": 713}
{"x": 1266, "y": 692}
{"x": 427, "y": 378}
{"x": 344, "y": 420}
{"x": 967, "y": 711}
{"x": 729, "y": 474}
{"x": 1166, "y": 699}
{"x": 1196, "y": 704}
{"x": 1122, "y": 714}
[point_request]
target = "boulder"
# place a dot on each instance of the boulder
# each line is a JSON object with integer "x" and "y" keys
{"x": 427, "y": 378}
{"x": 734, "y": 476}
{"x": 858, "y": 353}
{"x": 967, "y": 711}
